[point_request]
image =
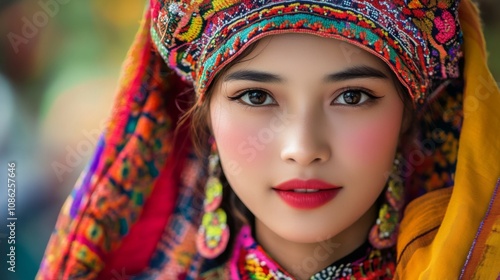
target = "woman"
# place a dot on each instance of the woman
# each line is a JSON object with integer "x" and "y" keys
{"x": 319, "y": 120}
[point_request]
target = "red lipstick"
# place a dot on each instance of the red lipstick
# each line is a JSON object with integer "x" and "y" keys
{"x": 307, "y": 194}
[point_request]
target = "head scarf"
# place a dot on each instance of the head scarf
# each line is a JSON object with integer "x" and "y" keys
{"x": 136, "y": 207}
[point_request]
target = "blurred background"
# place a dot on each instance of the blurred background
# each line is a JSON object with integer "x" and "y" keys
{"x": 59, "y": 66}
{"x": 60, "y": 61}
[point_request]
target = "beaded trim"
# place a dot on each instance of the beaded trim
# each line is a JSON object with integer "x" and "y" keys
{"x": 250, "y": 261}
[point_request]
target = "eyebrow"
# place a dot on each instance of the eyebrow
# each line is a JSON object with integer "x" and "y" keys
{"x": 355, "y": 72}
{"x": 255, "y": 76}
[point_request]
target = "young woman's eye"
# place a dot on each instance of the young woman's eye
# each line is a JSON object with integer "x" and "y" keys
{"x": 353, "y": 97}
{"x": 255, "y": 97}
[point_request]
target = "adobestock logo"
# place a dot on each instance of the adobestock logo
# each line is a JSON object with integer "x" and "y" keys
{"x": 78, "y": 153}
{"x": 312, "y": 263}
{"x": 40, "y": 19}
{"x": 257, "y": 143}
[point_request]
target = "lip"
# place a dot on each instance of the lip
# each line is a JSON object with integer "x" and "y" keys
{"x": 319, "y": 193}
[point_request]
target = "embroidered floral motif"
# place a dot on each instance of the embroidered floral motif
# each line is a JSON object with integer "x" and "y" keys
{"x": 446, "y": 26}
{"x": 438, "y": 22}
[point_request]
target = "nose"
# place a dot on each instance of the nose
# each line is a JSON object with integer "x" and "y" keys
{"x": 306, "y": 141}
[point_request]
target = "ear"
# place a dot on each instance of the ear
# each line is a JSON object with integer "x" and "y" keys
{"x": 208, "y": 119}
{"x": 407, "y": 130}
{"x": 406, "y": 124}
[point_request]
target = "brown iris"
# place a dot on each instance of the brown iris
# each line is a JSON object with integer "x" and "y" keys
{"x": 352, "y": 97}
{"x": 257, "y": 97}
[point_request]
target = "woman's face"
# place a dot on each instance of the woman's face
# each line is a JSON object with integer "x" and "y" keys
{"x": 305, "y": 107}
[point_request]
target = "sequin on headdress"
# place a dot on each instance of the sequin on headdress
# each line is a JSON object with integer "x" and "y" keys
{"x": 419, "y": 40}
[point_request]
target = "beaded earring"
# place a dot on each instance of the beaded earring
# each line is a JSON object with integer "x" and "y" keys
{"x": 213, "y": 234}
{"x": 384, "y": 233}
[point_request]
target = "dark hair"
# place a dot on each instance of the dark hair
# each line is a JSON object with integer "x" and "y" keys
{"x": 197, "y": 115}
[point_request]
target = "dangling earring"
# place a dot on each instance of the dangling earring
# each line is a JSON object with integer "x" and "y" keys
{"x": 384, "y": 233}
{"x": 213, "y": 233}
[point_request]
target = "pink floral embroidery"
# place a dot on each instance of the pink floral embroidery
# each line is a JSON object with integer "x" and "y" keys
{"x": 446, "y": 26}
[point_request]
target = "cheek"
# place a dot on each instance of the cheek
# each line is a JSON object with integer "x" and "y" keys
{"x": 369, "y": 143}
{"x": 237, "y": 141}
{"x": 372, "y": 142}
{"x": 369, "y": 155}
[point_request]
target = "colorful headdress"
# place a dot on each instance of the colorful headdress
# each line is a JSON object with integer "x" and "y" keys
{"x": 419, "y": 40}
{"x": 137, "y": 207}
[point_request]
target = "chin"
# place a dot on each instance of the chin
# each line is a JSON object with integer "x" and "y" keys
{"x": 306, "y": 238}
{"x": 306, "y": 233}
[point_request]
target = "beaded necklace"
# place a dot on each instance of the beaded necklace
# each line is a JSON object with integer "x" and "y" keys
{"x": 250, "y": 262}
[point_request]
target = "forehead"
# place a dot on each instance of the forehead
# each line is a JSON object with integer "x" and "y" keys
{"x": 306, "y": 52}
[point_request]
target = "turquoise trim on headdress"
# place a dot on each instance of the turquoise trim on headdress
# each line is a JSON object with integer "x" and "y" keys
{"x": 223, "y": 54}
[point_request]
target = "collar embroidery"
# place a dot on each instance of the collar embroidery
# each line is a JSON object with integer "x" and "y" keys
{"x": 249, "y": 261}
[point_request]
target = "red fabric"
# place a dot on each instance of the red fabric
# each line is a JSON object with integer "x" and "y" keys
{"x": 138, "y": 246}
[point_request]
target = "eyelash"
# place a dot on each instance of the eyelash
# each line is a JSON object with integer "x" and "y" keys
{"x": 371, "y": 98}
{"x": 238, "y": 97}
